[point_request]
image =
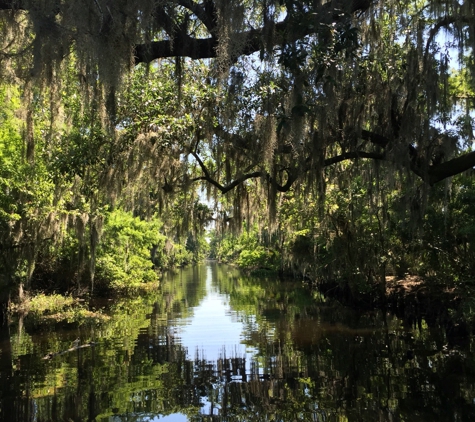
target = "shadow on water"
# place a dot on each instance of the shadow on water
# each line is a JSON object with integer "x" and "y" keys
{"x": 214, "y": 345}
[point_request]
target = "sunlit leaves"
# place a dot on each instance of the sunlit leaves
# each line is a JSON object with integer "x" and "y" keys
{"x": 123, "y": 261}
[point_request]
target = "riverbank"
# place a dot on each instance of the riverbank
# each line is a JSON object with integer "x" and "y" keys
{"x": 436, "y": 302}
{"x": 415, "y": 300}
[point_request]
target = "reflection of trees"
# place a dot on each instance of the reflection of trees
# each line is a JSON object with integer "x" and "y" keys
{"x": 313, "y": 362}
{"x": 304, "y": 388}
{"x": 182, "y": 291}
{"x": 136, "y": 367}
{"x": 376, "y": 372}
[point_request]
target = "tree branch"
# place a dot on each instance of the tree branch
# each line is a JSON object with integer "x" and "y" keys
{"x": 430, "y": 174}
{"x": 291, "y": 178}
{"x": 451, "y": 168}
{"x": 205, "y": 12}
{"x": 223, "y": 189}
{"x": 446, "y": 21}
{"x": 374, "y": 138}
{"x": 434, "y": 175}
{"x": 181, "y": 44}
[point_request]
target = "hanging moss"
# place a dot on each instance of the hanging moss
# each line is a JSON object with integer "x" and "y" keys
{"x": 296, "y": 95}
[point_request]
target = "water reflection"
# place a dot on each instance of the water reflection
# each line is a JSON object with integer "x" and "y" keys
{"x": 213, "y": 345}
{"x": 213, "y": 327}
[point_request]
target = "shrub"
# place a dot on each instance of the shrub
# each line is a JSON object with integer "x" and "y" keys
{"x": 124, "y": 255}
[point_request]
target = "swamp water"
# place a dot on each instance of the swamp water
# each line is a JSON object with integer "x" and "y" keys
{"x": 214, "y": 345}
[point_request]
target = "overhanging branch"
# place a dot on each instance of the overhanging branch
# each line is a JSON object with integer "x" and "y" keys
{"x": 182, "y": 44}
{"x": 291, "y": 178}
{"x": 445, "y": 21}
{"x": 223, "y": 189}
{"x": 451, "y": 168}
{"x": 430, "y": 174}
{"x": 205, "y": 12}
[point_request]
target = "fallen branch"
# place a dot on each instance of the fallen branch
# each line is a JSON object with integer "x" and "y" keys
{"x": 72, "y": 349}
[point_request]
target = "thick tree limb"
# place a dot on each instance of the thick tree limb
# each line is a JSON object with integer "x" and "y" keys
{"x": 374, "y": 138}
{"x": 181, "y": 44}
{"x": 233, "y": 184}
{"x": 451, "y": 168}
{"x": 223, "y": 189}
{"x": 432, "y": 175}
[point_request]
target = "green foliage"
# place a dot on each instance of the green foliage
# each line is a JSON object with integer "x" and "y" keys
{"x": 223, "y": 247}
{"x": 198, "y": 246}
{"x": 11, "y": 168}
{"x": 288, "y": 133}
{"x": 447, "y": 248}
{"x": 31, "y": 210}
{"x": 48, "y": 304}
{"x": 124, "y": 256}
{"x": 179, "y": 256}
{"x": 245, "y": 250}
{"x": 26, "y": 190}
{"x": 259, "y": 258}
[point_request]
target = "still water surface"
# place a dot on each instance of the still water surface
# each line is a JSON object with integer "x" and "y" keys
{"x": 214, "y": 345}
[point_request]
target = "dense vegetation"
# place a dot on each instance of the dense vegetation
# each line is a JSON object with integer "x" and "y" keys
{"x": 326, "y": 138}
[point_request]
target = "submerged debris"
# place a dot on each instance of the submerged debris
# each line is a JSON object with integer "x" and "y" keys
{"x": 71, "y": 349}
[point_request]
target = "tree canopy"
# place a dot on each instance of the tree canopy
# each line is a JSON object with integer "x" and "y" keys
{"x": 303, "y": 84}
{"x": 134, "y": 102}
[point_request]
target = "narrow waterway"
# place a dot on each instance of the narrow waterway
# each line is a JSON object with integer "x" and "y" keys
{"x": 214, "y": 345}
